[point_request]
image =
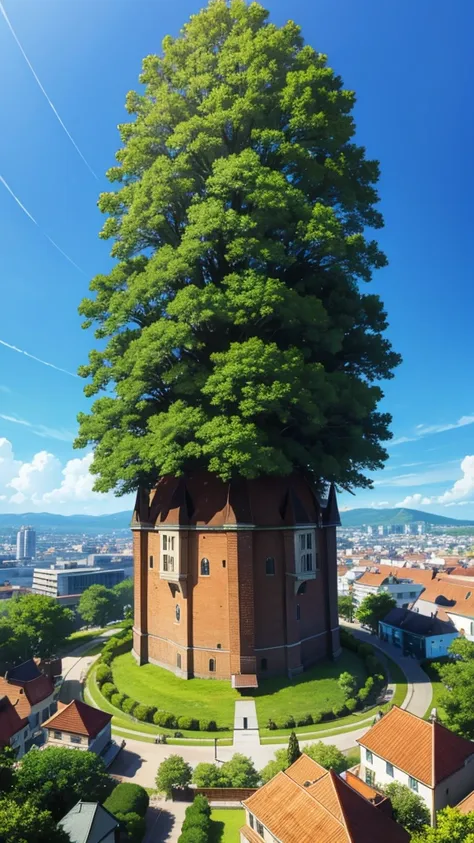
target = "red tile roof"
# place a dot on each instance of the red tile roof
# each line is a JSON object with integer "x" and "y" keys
{"x": 80, "y": 719}
{"x": 327, "y": 811}
{"x": 11, "y": 721}
{"x": 426, "y": 751}
{"x": 16, "y": 696}
{"x": 38, "y": 689}
{"x": 467, "y": 804}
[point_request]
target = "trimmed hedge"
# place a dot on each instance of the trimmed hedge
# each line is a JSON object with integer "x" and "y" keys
{"x": 108, "y": 689}
{"x": 145, "y": 713}
{"x": 129, "y": 705}
{"x": 197, "y": 822}
{"x": 117, "y": 699}
{"x": 188, "y": 723}
{"x": 165, "y": 719}
{"x": 103, "y": 674}
{"x": 128, "y": 798}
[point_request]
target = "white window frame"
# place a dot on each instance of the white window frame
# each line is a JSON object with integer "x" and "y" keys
{"x": 306, "y": 558}
{"x": 169, "y": 552}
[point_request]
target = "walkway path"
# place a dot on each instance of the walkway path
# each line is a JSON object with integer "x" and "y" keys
{"x": 75, "y": 667}
{"x": 246, "y": 735}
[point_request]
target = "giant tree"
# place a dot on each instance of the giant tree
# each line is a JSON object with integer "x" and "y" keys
{"x": 234, "y": 331}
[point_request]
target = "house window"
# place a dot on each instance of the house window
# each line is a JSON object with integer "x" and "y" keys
{"x": 44, "y": 714}
{"x": 223, "y": 563}
{"x": 251, "y": 823}
{"x": 413, "y": 784}
{"x": 219, "y": 646}
{"x": 368, "y": 756}
{"x": 205, "y": 567}
{"x": 389, "y": 769}
{"x": 169, "y": 553}
{"x": 298, "y": 612}
{"x": 259, "y": 829}
{"x": 370, "y": 777}
{"x": 168, "y": 562}
{"x": 270, "y": 566}
{"x": 305, "y": 551}
{"x": 212, "y": 665}
{"x": 151, "y": 561}
{"x": 178, "y": 660}
{"x": 263, "y": 664}
{"x": 412, "y": 593}
{"x": 75, "y": 739}
{"x": 177, "y": 612}
{"x": 56, "y": 735}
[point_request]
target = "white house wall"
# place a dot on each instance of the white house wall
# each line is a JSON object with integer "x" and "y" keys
{"x": 378, "y": 766}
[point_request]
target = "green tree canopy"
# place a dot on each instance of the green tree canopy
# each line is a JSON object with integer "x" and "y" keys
{"x": 234, "y": 331}
{"x": 373, "y": 609}
{"x": 124, "y": 594}
{"x": 276, "y": 765}
{"x": 409, "y": 809}
{"x": 345, "y": 606}
{"x": 451, "y": 827}
{"x": 458, "y": 680}
{"x": 239, "y": 771}
{"x": 293, "y": 750}
{"x": 99, "y": 605}
{"x": 26, "y": 822}
{"x": 174, "y": 771}
{"x": 206, "y": 774}
{"x": 34, "y": 625}
{"x": 56, "y": 778}
{"x": 328, "y": 755}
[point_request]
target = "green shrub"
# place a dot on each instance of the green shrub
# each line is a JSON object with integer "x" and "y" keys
{"x": 362, "y": 695}
{"x": 144, "y": 712}
{"x": 212, "y": 726}
{"x": 164, "y": 719}
{"x": 134, "y": 826}
{"x": 327, "y": 714}
{"x": 369, "y": 683}
{"x": 103, "y": 674}
{"x": 306, "y": 720}
{"x": 351, "y": 704}
{"x": 195, "y": 819}
{"x": 107, "y": 658}
{"x": 339, "y": 710}
{"x": 316, "y": 718}
{"x": 108, "y": 688}
{"x": 188, "y": 724}
{"x": 364, "y": 650}
{"x": 289, "y": 723}
{"x": 193, "y": 835}
{"x": 271, "y": 725}
{"x": 129, "y": 705}
{"x": 204, "y": 725}
{"x": 117, "y": 699}
{"x": 200, "y": 803}
{"x": 128, "y": 798}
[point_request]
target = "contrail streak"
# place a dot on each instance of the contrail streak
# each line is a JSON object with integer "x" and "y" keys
{"x": 31, "y": 217}
{"x": 38, "y": 359}
{"x": 2, "y": 10}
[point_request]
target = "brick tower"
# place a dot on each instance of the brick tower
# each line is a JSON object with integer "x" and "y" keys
{"x": 235, "y": 580}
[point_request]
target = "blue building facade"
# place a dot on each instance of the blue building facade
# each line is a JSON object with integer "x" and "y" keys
{"x": 417, "y": 635}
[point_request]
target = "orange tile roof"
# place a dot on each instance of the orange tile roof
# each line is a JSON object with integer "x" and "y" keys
{"x": 305, "y": 770}
{"x": 250, "y": 835}
{"x": 426, "y": 751}
{"x": 16, "y": 696}
{"x": 467, "y": 804}
{"x": 365, "y": 790}
{"x": 328, "y": 811}
{"x": 417, "y": 575}
{"x": 11, "y": 721}
{"x": 80, "y": 719}
{"x": 456, "y": 596}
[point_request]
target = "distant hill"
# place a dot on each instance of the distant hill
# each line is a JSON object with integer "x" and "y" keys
{"x": 67, "y": 523}
{"x": 386, "y": 517}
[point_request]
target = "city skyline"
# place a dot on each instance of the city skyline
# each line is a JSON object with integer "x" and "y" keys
{"x": 431, "y": 466}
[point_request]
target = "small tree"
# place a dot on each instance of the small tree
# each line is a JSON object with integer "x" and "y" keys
{"x": 99, "y": 605}
{"x": 373, "y": 609}
{"x": 240, "y": 772}
{"x": 293, "y": 750}
{"x": 451, "y": 827}
{"x": 347, "y": 684}
{"x": 409, "y": 809}
{"x": 328, "y": 755}
{"x": 458, "y": 680}
{"x": 173, "y": 772}
{"x": 40, "y": 626}
{"x": 207, "y": 775}
{"x": 124, "y": 594}
{"x": 345, "y": 606}
{"x": 25, "y": 822}
{"x": 278, "y": 764}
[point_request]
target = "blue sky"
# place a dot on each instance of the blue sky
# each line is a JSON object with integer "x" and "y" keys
{"x": 411, "y": 65}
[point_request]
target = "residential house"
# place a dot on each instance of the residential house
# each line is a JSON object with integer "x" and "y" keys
{"x": 430, "y": 759}
{"x": 309, "y": 803}
{"x": 417, "y": 635}
{"x": 404, "y": 588}
{"x": 80, "y": 726}
{"x": 451, "y": 599}
{"x": 13, "y": 726}
{"x": 90, "y": 822}
{"x": 466, "y": 806}
{"x": 34, "y": 697}
{"x": 346, "y": 578}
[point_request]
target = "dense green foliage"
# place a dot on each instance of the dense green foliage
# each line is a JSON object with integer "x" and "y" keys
{"x": 409, "y": 809}
{"x": 294, "y": 751}
{"x": 236, "y": 335}
{"x": 27, "y": 822}
{"x": 174, "y": 771}
{"x": 328, "y": 755}
{"x": 32, "y": 625}
{"x": 129, "y": 802}
{"x": 99, "y": 606}
{"x": 239, "y": 771}
{"x": 56, "y": 778}
{"x": 124, "y": 594}
{"x": 345, "y": 607}
{"x": 373, "y": 609}
{"x": 451, "y": 827}
{"x": 458, "y": 680}
{"x": 197, "y": 824}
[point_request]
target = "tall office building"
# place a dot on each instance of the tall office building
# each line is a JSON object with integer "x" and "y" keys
{"x": 26, "y": 543}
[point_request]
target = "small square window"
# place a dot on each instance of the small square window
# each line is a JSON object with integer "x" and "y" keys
{"x": 389, "y": 769}
{"x": 151, "y": 561}
{"x": 368, "y": 756}
{"x": 370, "y": 777}
{"x": 259, "y": 829}
{"x": 251, "y": 822}
{"x": 75, "y": 739}
{"x": 270, "y": 566}
{"x": 413, "y": 784}
{"x": 57, "y": 735}
{"x": 178, "y": 660}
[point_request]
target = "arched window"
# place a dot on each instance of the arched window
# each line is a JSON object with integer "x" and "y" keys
{"x": 178, "y": 660}
{"x": 205, "y": 567}
{"x": 263, "y": 664}
{"x": 178, "y": 612}
{"x": 270, "y": 566}
{"x": 212, "y": 665}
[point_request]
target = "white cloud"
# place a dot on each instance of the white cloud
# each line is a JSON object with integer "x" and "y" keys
{"x": 422, "y": 430}
{"x": 45, "y": 484}
{"x": 379, "y": 504}
{"x": 41, "y": 429}
{"x": 463, "y": 488}
{"x": 413, "y": 501}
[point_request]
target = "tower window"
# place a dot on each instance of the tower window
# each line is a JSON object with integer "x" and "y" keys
{"x": 169, "y": 553}
{"x": 205, "y": 567}
{"x": 270, "y": 566}
{"x": 305, "y": 551}
{"x": 178, "y": 612}
{"x": 178, "y": 660}
{"x": 212, "y": 665}
{"x": 151, "y": 561}
{"x": 223, "y": 563}
{"x": 263, "y": 664}
{"x": 298, "y": 612}
{"x": 219, "y": 646}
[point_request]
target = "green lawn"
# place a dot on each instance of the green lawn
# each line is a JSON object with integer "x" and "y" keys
{"x": 438, "y": 689}
{"x": 225, "y": 825}
{"x": 313, "y": 691}
{"x": 82, "y": 637}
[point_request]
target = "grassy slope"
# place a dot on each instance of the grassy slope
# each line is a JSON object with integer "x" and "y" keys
{"x": 226, "y": 823}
